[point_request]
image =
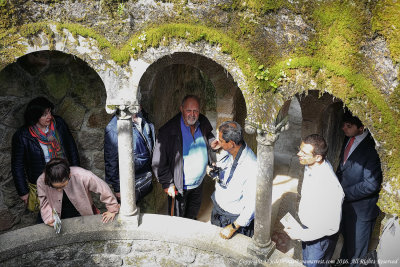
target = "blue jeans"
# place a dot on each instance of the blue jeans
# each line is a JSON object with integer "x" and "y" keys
{"x": 319, "y": 252}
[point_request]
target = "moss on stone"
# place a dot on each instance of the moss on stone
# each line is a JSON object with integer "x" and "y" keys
{"x": 386, "y": 21}
{"x": 86, "y": 32}
{"x": 164, "y": 34}
{"x": 340, "y": 27}
{"x": 359, "y": 94}
{"x": 8, "y": 16}
{"x": 332, "y": 56}
{"x": 257, "y": 6}
{"x": 10, "y": 47}
{"x": 32, "y": 30}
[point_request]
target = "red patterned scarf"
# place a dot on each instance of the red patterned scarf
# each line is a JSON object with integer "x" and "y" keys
{"x": 50, "y": 139}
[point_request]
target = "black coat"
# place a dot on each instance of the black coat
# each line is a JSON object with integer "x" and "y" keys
{"x": 27, "y": 159}
{"x": 361, "y": 179}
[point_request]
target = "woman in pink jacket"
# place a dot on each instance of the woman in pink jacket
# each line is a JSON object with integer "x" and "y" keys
{"x": 66, "y": 189}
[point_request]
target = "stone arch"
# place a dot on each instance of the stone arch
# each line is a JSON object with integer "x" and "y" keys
{"x": 78, "y": 94}
{"x": 80, "y": 42}
{"x": 361, "y": 96}
{"x": 121, "y": 80}
{"x": 321, "y": 113}
{"x": 221, "y": 69}
{"x": 223, "y": 87}
{"x": 169, "y": 77}
{"x": 317, "y": 112}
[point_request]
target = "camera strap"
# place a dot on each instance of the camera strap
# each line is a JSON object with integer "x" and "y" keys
{"x": 235, "y": 163}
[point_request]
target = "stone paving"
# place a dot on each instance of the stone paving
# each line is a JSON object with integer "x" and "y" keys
{"x": 122, "y": 253}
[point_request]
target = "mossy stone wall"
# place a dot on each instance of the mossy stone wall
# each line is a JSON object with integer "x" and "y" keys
{"x": 331, "y": 44}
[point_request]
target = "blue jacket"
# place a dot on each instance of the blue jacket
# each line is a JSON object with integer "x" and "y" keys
{"x": 27, "y": 157}
{"x": 361, "y": 179}
{"x": 143, "y": 149}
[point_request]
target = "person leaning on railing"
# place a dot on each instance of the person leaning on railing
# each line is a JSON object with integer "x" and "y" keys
{"x": 67, "y": 190}
{"x": 44, "y": 136}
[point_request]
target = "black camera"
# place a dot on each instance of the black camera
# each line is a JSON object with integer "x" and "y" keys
{"x": 214, "y": 172}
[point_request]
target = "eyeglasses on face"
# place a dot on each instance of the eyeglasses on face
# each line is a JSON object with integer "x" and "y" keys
{"x": 303, "y": 153}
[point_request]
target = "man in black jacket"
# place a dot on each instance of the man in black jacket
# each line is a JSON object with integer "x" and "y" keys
{"x": 181, "y": 155}
{"x": 360, "y": 175}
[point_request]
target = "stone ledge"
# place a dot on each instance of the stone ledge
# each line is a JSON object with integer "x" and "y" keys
{"x": 185, "y": 232}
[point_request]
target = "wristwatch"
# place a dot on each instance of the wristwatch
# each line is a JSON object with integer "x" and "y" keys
{"x": 234, "y": 226}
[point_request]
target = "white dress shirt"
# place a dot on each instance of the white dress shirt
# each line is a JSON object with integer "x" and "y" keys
{"x": 321, "y": 200}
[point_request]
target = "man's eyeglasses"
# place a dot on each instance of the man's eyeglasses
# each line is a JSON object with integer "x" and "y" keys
{"x": 302, "y": 153}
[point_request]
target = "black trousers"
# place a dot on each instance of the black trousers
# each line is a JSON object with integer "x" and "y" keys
{"x": 188, "y": 204}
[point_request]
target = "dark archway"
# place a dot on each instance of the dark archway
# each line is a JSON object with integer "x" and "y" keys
{"x": 169, "y": 79}
{"x": 309, "y": 113}
{"x": 79, "y": 96}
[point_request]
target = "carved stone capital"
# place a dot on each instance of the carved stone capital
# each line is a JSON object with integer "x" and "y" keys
{"x": 249, "y": 128}
{"x": 125, "y": 112}
{"x": 266, "y": 138}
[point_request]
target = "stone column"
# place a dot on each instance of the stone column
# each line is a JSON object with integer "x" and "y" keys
{"x": 262, "y": 245}
{"x": 128, "y": 210}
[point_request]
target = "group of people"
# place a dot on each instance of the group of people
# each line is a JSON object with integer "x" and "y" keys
{"x": 45, "y": 167}
{"x": 184, "y": 153}
{"x": 46, "y": 172}
{"x": 342, "y": 202}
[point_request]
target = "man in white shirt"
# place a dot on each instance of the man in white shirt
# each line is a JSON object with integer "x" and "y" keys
{"x": 235, "y": 191}
{"x": 320, "y": 204}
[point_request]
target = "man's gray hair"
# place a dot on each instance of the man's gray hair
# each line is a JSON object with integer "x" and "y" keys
{"x": 231, "y": 130}
{"x": 195, "y": 97}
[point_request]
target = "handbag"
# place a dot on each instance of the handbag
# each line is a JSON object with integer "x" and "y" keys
{"x": 33, "y": 200}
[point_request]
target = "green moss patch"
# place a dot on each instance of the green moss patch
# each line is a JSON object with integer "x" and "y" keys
{"x": 77, "y": 29}
{"x": 386, "y": 21}
{"x": 341, "y": 26}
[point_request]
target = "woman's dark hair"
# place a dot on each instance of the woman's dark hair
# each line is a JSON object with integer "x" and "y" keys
{"x": 319, "y": 144}
{"x": 231, "y": 130}
{"x": 35, "y": 109}
{"x": 56, "y": 171}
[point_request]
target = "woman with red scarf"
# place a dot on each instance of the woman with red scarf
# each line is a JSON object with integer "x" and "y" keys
{"x": 43, "y": 137}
